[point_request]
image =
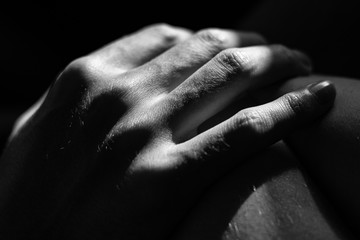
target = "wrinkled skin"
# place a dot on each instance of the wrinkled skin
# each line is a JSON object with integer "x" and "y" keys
{"x": 118, "y": 146}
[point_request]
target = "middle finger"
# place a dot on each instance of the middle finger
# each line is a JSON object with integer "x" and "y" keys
{"x": 168, "y": 70}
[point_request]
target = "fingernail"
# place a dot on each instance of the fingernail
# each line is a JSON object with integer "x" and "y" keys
{"x": 325, "y": 91}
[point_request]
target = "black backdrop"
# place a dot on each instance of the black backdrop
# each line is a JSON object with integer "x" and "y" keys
{"x": 38, "y": 41}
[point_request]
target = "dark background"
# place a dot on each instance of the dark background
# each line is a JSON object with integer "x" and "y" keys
{"x": 38, "y": 41}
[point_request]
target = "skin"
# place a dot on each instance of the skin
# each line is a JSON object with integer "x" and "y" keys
{"x": 297, "y": 189}
{"x": 329, "y": 149}
{"x": 266, "y": 198}
{"x": 115, "y": 148}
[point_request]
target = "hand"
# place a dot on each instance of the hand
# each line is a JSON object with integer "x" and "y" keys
{"x": 114, "y": 150}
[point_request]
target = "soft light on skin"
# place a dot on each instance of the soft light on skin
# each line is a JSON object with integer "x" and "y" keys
{"x": 267, "y": 197}
{"x": 24, "y": 117}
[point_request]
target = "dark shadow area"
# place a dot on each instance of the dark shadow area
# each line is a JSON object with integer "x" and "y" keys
{"x": 96, "y": 207}
{"x": 61, "y": 164}
{"x": 325, "y": 30}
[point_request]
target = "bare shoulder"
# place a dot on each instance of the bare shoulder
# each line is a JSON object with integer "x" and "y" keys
{"x": 266, "y": 198}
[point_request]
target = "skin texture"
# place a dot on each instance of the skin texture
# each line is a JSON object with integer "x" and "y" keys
{"x": 329, "y": 149}
{"x": 114, "y": 148}
{"x": 265, "y": 198}
{"x": 303, "y": 188}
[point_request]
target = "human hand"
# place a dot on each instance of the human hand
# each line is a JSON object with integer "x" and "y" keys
{"x": 113, "y": 149}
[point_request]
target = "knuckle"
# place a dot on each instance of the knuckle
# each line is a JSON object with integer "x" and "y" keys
{"x": 79, "y": 66}
{"x": 253, "y": 121}
{"x": 235, "y": 61}
{"x": 78, "y": 78}
{"x": 162, "y": 27}
{"x": 294, "y": 102}
{"x": 213, "y": 36}
{"x": 81, "y": 70}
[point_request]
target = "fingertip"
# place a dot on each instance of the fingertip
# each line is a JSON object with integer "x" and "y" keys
{"x": 251, "y": 39}
{"x": 303, "y": 59}
{"x": 325, "y": 91}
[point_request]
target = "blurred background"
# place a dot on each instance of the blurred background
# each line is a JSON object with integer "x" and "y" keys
{"x": 38, "y": 41}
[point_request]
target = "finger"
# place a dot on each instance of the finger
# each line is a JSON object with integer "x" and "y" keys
{"x": 253, "y": 129}
{"x": 231, "y": 73}
{"x": 175, "y": 65}
{"x": 140, "y": 47}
